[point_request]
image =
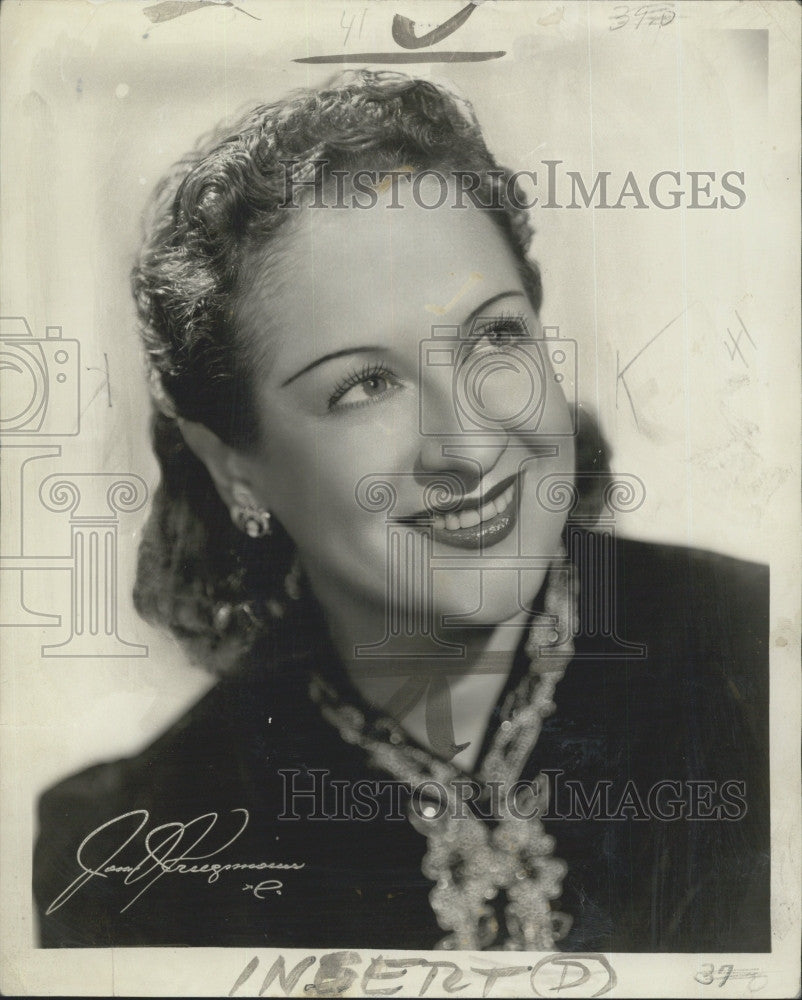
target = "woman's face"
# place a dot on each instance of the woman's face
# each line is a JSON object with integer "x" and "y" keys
{"x": 400, "y": 347}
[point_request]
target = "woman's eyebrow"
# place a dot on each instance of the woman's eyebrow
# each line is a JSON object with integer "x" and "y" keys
{"x": 489, "y": 302}
{"x": 329, "y": 357}
{"x": 373, "y": 347}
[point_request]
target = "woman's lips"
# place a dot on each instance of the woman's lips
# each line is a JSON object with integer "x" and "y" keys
{"x": 480, "y": 525}
{"x": 471, "y": 517}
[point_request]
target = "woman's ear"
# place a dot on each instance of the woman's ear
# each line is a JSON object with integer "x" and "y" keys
{"x": 220, "y": 459}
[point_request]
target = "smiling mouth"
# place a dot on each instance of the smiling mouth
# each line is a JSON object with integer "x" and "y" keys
{"x": 480, "y": 522}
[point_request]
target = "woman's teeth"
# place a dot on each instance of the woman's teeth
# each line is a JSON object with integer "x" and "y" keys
{"x": 471, "y": 518}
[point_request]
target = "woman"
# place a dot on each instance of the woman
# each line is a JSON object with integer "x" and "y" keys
{"x": 372, "y": 523}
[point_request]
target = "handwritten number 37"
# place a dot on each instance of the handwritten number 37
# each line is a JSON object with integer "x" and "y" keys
{"x": 706, "y": 975}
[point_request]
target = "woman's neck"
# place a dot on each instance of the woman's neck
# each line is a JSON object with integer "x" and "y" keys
{"x": 444, "y": 702}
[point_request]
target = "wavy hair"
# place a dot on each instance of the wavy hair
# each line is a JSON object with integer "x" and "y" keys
{"x": 214, "y": 588}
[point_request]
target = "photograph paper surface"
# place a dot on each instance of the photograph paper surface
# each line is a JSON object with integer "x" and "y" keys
{"x": 399, "y": 429}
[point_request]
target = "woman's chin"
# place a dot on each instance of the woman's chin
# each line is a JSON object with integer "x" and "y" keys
{"x": 484, "y": 598}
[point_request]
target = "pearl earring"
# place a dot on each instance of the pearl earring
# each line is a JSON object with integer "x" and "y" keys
{"x": 249, "y": 517}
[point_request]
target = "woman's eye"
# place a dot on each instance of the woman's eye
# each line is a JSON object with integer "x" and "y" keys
{"x": 499, "y": 334}
{"x": 362, "y": 388}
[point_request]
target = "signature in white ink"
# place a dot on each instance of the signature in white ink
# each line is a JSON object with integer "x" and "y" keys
{"x": 259, "y": 890}
{"x": 173, "y": 848}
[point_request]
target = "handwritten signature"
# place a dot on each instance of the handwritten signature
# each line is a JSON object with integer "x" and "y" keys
{"x": 270, "y": 885}
{"x": 173, "y": 848}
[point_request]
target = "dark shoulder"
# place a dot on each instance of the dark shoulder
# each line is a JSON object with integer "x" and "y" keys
{"x": 234, "y": 718}
{"x": 692, "y": 596}
{"x": 139, "y": 772}
{"x": 713, "y": 607}
{"x": 704, "y": 620}
{"x": 676, "y": 569}
{"x": 206, "y": 759}
{"x": 689, "y": 632}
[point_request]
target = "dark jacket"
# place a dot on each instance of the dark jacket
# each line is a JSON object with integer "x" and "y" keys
{"x": 658, "y": 764}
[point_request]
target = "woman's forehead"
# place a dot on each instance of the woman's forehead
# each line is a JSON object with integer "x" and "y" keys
{"x": 340, "y": 273}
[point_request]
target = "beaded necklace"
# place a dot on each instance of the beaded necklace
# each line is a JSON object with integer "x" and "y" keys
{"x": 471, "y": 861}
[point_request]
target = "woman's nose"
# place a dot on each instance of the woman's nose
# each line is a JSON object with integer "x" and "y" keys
{"x": 451, "y": 441}
{"x": 470, "y": 462}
